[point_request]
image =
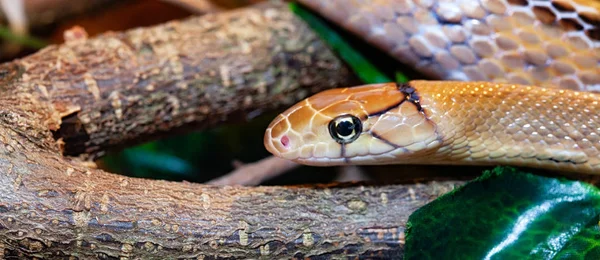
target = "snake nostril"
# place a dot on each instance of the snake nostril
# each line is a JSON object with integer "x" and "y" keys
{"x": 285, "y": 141}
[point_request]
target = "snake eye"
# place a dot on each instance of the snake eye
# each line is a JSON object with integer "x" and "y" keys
{"x": 345, "y": 129}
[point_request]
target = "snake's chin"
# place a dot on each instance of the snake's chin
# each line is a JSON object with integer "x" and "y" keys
{"x": 321, "y": 162}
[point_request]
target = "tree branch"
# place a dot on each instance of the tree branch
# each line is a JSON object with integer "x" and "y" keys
{"x": 87, "y": 96}
{"x": 124, "y": 88}
{"x": 96, "y": 214}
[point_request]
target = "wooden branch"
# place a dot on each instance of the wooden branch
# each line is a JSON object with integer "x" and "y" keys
{"x": 123, "y": 88}
{"x": 96, "y": 214}
{"x": 119, "y": 88}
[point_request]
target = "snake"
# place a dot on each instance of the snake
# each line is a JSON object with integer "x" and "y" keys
{"x": 509, "y": 82}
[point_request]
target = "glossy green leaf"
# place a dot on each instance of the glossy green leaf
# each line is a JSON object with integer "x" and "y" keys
{"x": 583, "y": 245}
{"x": 508, "y": 214}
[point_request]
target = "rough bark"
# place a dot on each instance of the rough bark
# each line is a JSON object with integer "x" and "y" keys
{"x": 186, "y": 75}
{"x": 87, "y": 96}
{"x": 88, "y": 214}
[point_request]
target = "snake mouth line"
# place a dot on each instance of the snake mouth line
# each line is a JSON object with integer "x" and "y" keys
{"x": 348, "y": 160}
{"x": 377, "y": 136}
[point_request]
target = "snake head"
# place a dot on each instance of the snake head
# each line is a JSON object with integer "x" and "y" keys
{"x": 369, "y": 124}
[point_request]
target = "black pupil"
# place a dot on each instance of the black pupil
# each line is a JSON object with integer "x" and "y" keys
{"x": 345, "y": 128}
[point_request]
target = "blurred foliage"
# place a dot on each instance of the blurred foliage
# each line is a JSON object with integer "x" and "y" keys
{"x": 365, "y": 70}
{"x": 25, "y": 40}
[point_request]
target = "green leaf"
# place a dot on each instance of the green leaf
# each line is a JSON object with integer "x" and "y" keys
{"x": 508, "y": 214}
{"x": 584, "y": 245}
{"x": 25, "y": 40}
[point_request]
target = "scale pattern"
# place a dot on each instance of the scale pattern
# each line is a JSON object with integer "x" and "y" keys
{"x": 546, "y": 43}
{"x": 488, "y": 123}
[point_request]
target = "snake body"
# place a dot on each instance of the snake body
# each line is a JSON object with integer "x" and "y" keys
{"x": 532, "y": 42}
{"x": 515, "y": 83}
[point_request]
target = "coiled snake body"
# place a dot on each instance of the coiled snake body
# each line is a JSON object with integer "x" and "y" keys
{"x": 516, "y": 83}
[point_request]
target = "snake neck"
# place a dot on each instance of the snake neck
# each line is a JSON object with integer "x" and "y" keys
{"x": 486, "y": 124}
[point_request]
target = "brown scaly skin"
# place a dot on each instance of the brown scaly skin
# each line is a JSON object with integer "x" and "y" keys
{"x": 531, "y": 42}
{"x": 445, "y": 122}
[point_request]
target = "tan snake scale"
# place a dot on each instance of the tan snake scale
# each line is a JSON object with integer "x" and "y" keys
{"x": 518, "y": 83}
